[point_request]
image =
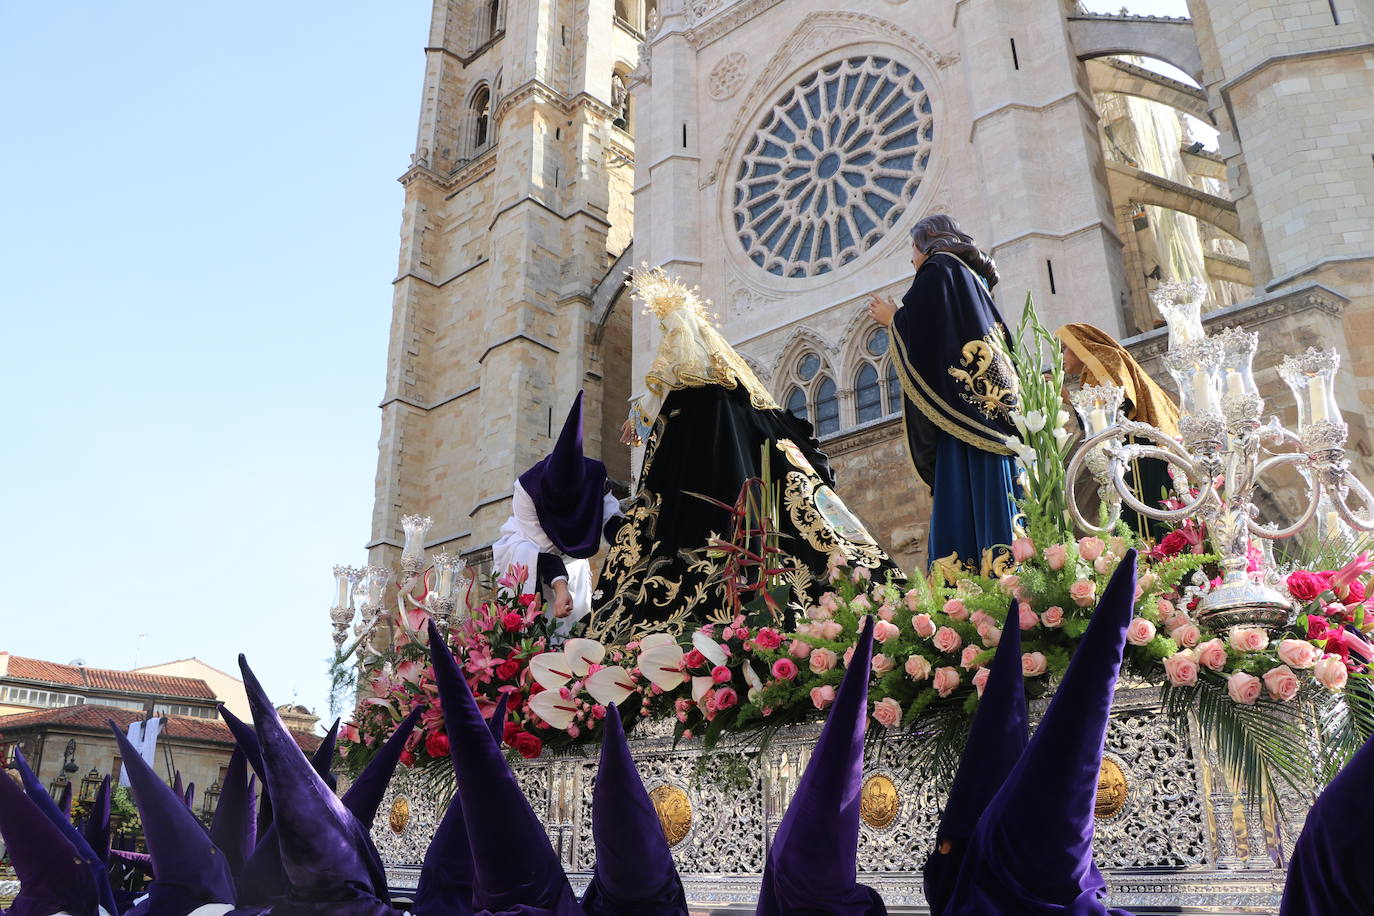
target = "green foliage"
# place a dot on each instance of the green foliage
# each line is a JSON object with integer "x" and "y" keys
{"x": 1039, "y": 365}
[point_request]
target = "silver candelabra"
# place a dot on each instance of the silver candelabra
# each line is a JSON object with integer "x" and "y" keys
{"x": 1225, "y": 450}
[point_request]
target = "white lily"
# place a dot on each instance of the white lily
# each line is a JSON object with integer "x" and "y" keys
{"x": 551, "y": 670}
{"x": 1019, "y": 419}
{"x": 1035, "y": 421}
{"x": 699, "y": 687}
{"x": 1061, "y": 436}
{"x": 553, "y": 709}
{"x": 1061, "y": 419}
{"x": 654, "y": 640}
{"x": 662, "y": 665}
{"x": 582, "y": 654}
{"x": 709, "y": 648}
{"x": 610, "y": 686}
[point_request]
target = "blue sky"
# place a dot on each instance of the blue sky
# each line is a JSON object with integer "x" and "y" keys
{"x": 199, "y": 232}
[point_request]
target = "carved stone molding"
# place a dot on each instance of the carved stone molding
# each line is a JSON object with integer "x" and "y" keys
{"x": 727, "y": 76}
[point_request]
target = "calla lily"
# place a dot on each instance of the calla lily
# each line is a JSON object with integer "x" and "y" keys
{"x": 551, "y": 670}
{"x": 654, "y": 640}
{"x": 610, "y": 686}
{"x": 699, "y": 687}
{"x": 709, "y": 648}
{"x": 751, "y": 677}
{"x": 582, "y": 654}
{"x": 662, "y": 665}
{"x": 553, "y": 709}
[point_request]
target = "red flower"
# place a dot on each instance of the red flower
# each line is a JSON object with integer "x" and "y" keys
{"x": 527, "y": 600}
{"x": 436, "y": 744}
{"x": 693, "y": 659}
{"x": 509, "y": 732}
{"x": 720, "y": 674}
{"x": 1316, "y": 626}
{"x": 784, "y": 669}
{"x": 768, "y": 638}
{"x": 508, "y": 670}
{"x": 1306, "y": 586}
{"x": 407, "y": 758}
{"x": 527, "y": 745}
{"x": 1173, "y": 543}
{"x": 513, "y": 622}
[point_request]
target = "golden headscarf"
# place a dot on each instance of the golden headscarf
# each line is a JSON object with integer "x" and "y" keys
{"x": 691, "y": 353}
{"x": 1106, "y": 362}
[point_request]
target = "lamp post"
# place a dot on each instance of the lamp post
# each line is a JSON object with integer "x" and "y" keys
{"x": 90, "y": 784}
{"x": 210, "y": 802}
{"x": 1225, "y": 451}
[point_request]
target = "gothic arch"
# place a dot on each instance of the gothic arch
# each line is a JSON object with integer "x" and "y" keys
{"x": 1108, "y": 74}
{"x": 801, "y": 339}
{"x": 1128, "y": 183}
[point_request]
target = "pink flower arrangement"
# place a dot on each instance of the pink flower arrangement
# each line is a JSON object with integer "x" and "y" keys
{"x": 1053, "y": 617}
{"x": 946, "y": 681}
{"x": 768, "y": 638}
{"x": 947, "y": 640}
{"x": 1033, "y": 664}
{"x": 784, "y": 669}
{"x": 1187, "y": 635}
{"x": 1243, "y": 688}
{"x": 1056, "y": 555}
{"x": 1027, "y": 619}
{"x": 954, "y": 608}
{"x": 823, "y": 696}
{"x": 883, "y": 631}
{"x": 1281, "y": 683}
{"x": 1298, "y": 653}
{"x": 1022, "y": 549}
{"x": 1330, "y": 671}
{"x": 1090, "y": 548}
{"x": 1212, "y": 654}
{"x": 1140, "y": 632}
{"x": 980, "y": 680}
{"x": 923, "y": 625}
{"x": 1083, "y": 592}
{"x": 882, "y": 664}
{"x": 917, "y": 668}
{"x": 1248, "y": 639}
{"x": 969, "y": 658}
{"x": 822, "y": 660}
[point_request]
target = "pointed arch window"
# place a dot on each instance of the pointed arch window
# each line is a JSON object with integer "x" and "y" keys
{"x": 796, "y": 403}
{"x": 827, "y": 407}
{"x": 868, "y": 396}
{"x": 894, "y": 390}
{"x": 481, "y": 119}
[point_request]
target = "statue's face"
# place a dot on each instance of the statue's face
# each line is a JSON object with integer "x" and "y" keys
{"x": 918, "y": 257}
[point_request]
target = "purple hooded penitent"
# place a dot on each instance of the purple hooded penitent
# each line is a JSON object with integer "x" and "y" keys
{"x": 1032, "y": 850}
{"x": 232, "y": 828}
{"x": 54, "y": 875}
{"x": 634, "y": 874}
{"x": 995, "y": 741}
{"x": 445, "y": 886}
{"x": 64, "y": 801}
{"x": 44, "y": 803}
{"x": 515, "y": 870}
{"x": 567, "y": 490}
{"x": 1329, "y": 871}
{"x": 365, "y": 795}
{"x": 812, "y": 864}
{"x": 248, "y": 742}
{"x": 188, "y": 870}
{"x": 326, "y": 854}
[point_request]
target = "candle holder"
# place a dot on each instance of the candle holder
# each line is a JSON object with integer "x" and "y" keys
{"x": 1225, "y": 452}
{"x": 341, "y": 614}
{"x": 413, "y": 553}
{"x": 450, "y": 583}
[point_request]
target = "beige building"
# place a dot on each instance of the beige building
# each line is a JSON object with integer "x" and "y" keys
{"x": 778, "y": 151}
{"x": 227, "y": 688}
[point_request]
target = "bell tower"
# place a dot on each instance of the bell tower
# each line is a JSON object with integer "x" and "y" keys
{"x": 504, "y": 303}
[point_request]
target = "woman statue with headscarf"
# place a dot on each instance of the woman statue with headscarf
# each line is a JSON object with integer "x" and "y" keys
{"x": 709, "y": 425}
{"x": 952, "y": 355}
{"x": 1096, "y": 358}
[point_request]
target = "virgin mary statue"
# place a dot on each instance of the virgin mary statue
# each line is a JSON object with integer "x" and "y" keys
{"x": 709, "y": 425}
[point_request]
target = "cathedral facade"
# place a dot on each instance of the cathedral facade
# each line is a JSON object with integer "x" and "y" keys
{"x": 777, "y": 152}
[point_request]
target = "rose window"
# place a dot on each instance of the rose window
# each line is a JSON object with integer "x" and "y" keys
{"x": 832, "y": 166}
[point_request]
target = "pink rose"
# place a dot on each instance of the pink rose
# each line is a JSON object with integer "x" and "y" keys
{"x": 799, "y": 649}
{"x": 1281, "y": 683}
{"x": 860, "y": 603}
{"x": 1008, "y": 584}
{"x": 1147, "y": 581}
{"x": 947, "y": 640}
{"x": 887, "y": 712}
{"x": 1056, "y": 555}
{"x": 990, "y": 634}
{"x": 923, "y": 625}
{"x": 1083, "y": 592}
{"x": 725, "y": 698}
{"x": 1166, "y": 609}
{"x": 1330, "y": 672}
{"x": 1022, "y": 549}
{"x": 883, "y": 631}
{"x": 848, "y": 656}
{"x": 1103, "y": 565}
{"x": 784, "y": 669}
{"x": 980, "y": 679}
{"x": 720, "y": 674}
{"x": 955, "y": 608}
{"x": 1306, "y": 586}
{"x": 882, "y": 664}
{"x": 979, "y": 618}
{"x": 1187, "y": 635}
{"x": 1298, "y": 653}
{"x": 1175, "y": 622}
{"x": 886, "y": 611}
{"x": 1053, "y": 618}
{"x": 1249, "y": 639}
{"x": 829, "y": 602}
{"x": 1026, "y": 616}
{"x": 913, "y": 600}
{"x": 917, "y": 668}
{"x": 822, "y": 660}
{"x": 1181, "y": 669}
{"x": 1243, "y": 688}
{"x": 768, "y": 638}
{"x": 1033, "y": 664}
{"x": 1090, "y": 548}
{"x": 946, "y": 681}
{"x": 830, "y": 629}
{"x": 1212, "y": 654}
{"x": 1117, "y": 545}
{"x": 1140, "y": 632}
{"x": 821, "y": 697}
{"x": 969, "y": 657}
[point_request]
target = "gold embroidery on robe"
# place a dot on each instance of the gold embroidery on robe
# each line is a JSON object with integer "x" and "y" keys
{"x": 809, "y": 515}
{"x": 986, "y": 373}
